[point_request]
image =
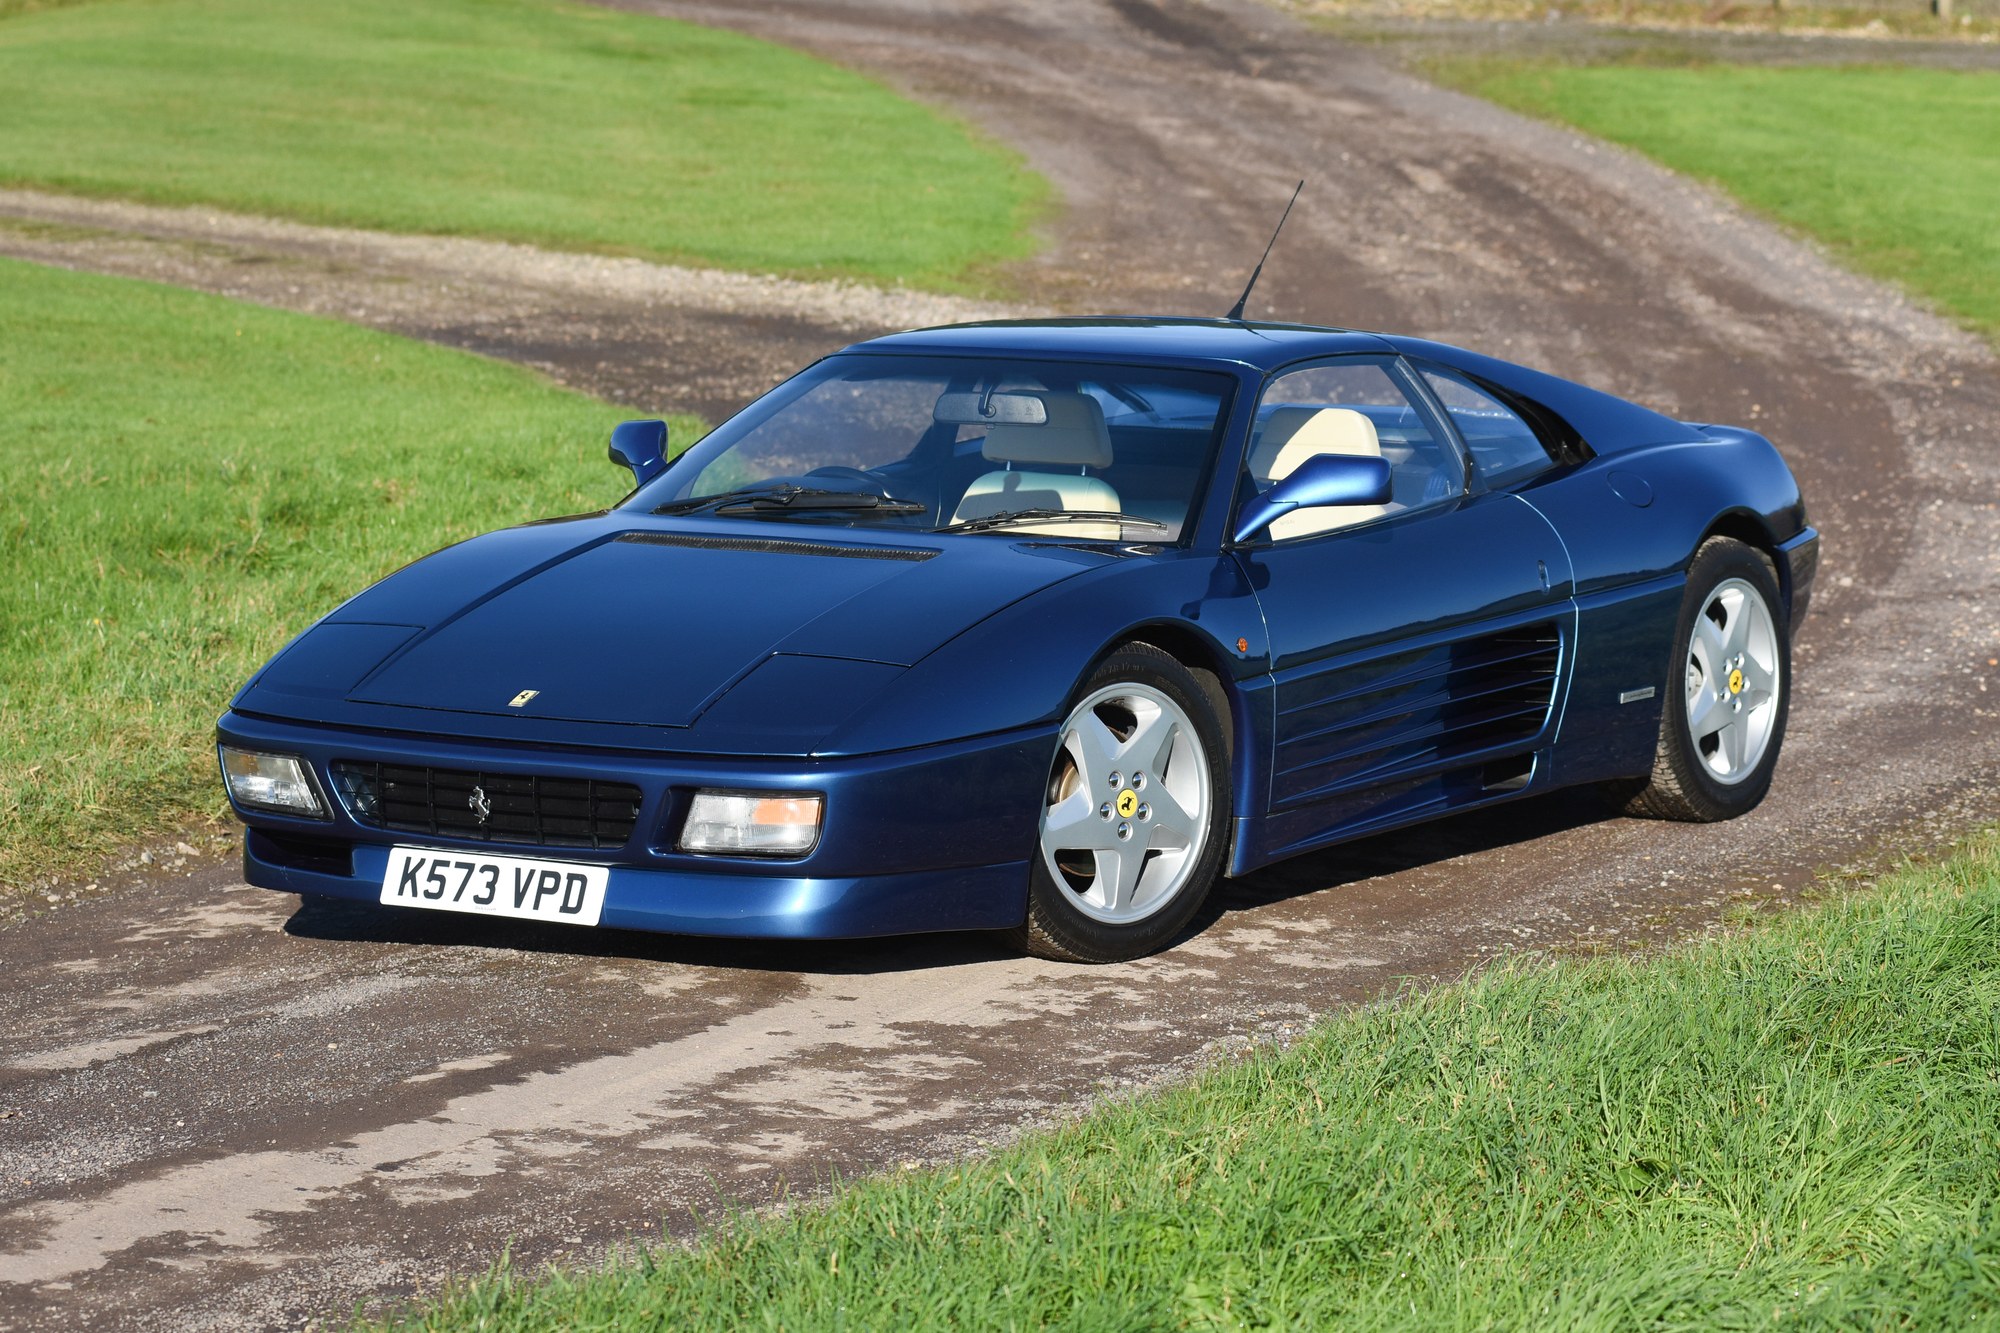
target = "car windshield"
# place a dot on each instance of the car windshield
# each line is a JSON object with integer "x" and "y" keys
{"x": 1067, "y": 450}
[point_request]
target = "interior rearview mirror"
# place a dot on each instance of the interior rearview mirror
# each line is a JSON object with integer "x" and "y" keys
{"x": 991, "y": 409}
{"x": 1320, "y": 481}
{"x": 641, "y": 446}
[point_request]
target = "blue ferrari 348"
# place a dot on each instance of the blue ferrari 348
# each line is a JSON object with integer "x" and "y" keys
{"x": 1041, "y": 628}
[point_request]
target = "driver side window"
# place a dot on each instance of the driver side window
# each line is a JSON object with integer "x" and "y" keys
{"x": 1358, "y": 407}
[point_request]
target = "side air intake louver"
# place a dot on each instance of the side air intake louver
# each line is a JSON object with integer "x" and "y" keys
{"x": 1396, "y": 716}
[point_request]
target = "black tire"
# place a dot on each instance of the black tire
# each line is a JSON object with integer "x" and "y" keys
{"x": 1059, "y": 924}
{"x": 1683, "y": 785}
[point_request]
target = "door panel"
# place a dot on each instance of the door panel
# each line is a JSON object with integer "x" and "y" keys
{"x": 1406, "y": 656}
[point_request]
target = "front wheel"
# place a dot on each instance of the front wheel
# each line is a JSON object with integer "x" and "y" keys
{"x": 1132, "y": 828}
{"x": 1728, "y": 692}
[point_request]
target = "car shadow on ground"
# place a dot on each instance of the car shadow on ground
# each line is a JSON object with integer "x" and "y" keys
{"x": 334, "y": 919}
{"x": 340, "y": 919}
{"x": 1509, "y": 824}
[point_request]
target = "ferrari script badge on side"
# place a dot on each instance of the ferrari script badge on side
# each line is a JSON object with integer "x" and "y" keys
{"x": 522, "y": 698}
{"x": 482, "y": 809}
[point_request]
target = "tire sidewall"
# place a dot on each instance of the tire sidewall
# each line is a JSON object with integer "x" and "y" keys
{"x": 1050, "y": 909}
{"x": 1719, "y": 560}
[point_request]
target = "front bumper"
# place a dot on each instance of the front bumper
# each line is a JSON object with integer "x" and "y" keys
{"x": 921, "y": 840}
{"x": 1798, "y": 568}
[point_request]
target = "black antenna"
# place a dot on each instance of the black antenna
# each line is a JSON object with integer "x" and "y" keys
{"x": 1236, "y": 311}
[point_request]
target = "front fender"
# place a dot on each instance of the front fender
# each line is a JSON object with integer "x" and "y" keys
{"x": 1019, "y": 667}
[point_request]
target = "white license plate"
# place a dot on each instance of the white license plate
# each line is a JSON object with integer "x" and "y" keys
{"x": 495, "y": 885}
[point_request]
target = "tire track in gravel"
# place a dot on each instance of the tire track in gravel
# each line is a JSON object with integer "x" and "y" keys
{"x": 347, "y": 1105}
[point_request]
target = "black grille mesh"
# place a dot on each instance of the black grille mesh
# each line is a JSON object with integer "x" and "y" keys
{"x": 526, "y": 809}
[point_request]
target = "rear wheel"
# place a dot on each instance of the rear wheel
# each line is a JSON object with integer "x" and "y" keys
{"x": 1727, "y": 693}
{"x": 1132, "y": 834}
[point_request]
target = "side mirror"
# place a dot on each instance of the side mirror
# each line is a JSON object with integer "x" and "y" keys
{"x": 641, "y": 446}
{"x": 1320, "y": 481}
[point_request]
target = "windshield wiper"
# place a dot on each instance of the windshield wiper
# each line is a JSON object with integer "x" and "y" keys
{"x": 695, "y": 502}
{"x": 1008, "y": 517}
{"x": 766, "y": 497}
{"x": 802, "y": 498}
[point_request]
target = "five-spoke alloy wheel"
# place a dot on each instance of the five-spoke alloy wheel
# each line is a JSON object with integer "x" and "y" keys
{"x": 1727, "y": 696}
{"x": 1132, "y": 828}
{"x": 1732, "y": 681}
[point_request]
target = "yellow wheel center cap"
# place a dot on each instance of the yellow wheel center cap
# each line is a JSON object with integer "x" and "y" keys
{"x": 1128, "y": 802}
{"x": 1736, "y": 680}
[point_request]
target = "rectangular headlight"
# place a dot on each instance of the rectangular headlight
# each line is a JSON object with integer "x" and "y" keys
{"x": 752, "y": 823}
{"x": 277, "y": 782}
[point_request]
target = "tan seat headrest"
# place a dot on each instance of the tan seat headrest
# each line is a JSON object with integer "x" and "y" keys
{"x": 1293, "y": 434}
{"x": 1073, "y": 436}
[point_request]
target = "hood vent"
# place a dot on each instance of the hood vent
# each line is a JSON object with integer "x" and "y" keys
{"x": 775, "y": 546}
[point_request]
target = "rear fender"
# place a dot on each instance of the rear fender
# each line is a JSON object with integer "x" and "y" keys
{"x": 1641, "y": 515}
{"x": 1632, "y": 522}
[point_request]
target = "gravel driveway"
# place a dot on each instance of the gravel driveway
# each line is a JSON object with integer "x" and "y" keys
{"x": 218, "y": 1109}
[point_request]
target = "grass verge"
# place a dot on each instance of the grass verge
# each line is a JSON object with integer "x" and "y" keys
{"x": 189, "y": 482}
{"x": 1893, "y": 168}
{"x": 1852, "y": 18}
{"x": 1794, "y": 1126}
{"x": 532, "y": 120}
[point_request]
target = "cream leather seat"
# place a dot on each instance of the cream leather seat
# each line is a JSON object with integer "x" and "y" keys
{"x": 1073, "y": 437}
{"x": 1290, "y": 436}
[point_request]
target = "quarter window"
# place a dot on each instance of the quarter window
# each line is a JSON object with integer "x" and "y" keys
{"x": 1504, "y": 448}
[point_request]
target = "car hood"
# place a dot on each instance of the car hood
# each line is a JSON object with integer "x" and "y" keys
{"x": 607, "y": 622}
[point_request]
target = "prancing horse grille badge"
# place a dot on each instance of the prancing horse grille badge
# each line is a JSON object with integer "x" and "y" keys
{"x": 482, "y": 809}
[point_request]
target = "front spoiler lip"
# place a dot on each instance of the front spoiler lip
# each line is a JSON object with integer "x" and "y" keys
{"x": 1800, "y": 555}
{"x": 992, "y": 897}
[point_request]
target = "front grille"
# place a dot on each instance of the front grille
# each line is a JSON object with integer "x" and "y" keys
{"x": 520, "y": 808}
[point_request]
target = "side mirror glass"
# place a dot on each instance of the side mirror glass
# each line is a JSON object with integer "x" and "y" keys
{"x": 641, "y": 446}
{"x": 1320, "y": 481}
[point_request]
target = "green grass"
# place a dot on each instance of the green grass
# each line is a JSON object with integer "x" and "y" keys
{"x": 532, "y": 120}
{"x": 190, "y": 481}
{"x": 12, "y": 8}
{"x": 1896, "y": 170}
{"x": 1797, "y": 1126}
{"x": 1644, "y": 19}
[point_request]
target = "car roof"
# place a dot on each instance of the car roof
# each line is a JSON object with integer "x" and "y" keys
{"x": 1263, "y": 346}
{"x": 1605, "y": 422}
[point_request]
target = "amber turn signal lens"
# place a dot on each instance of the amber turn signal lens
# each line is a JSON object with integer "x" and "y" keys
{"x": 752, "y": 823}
